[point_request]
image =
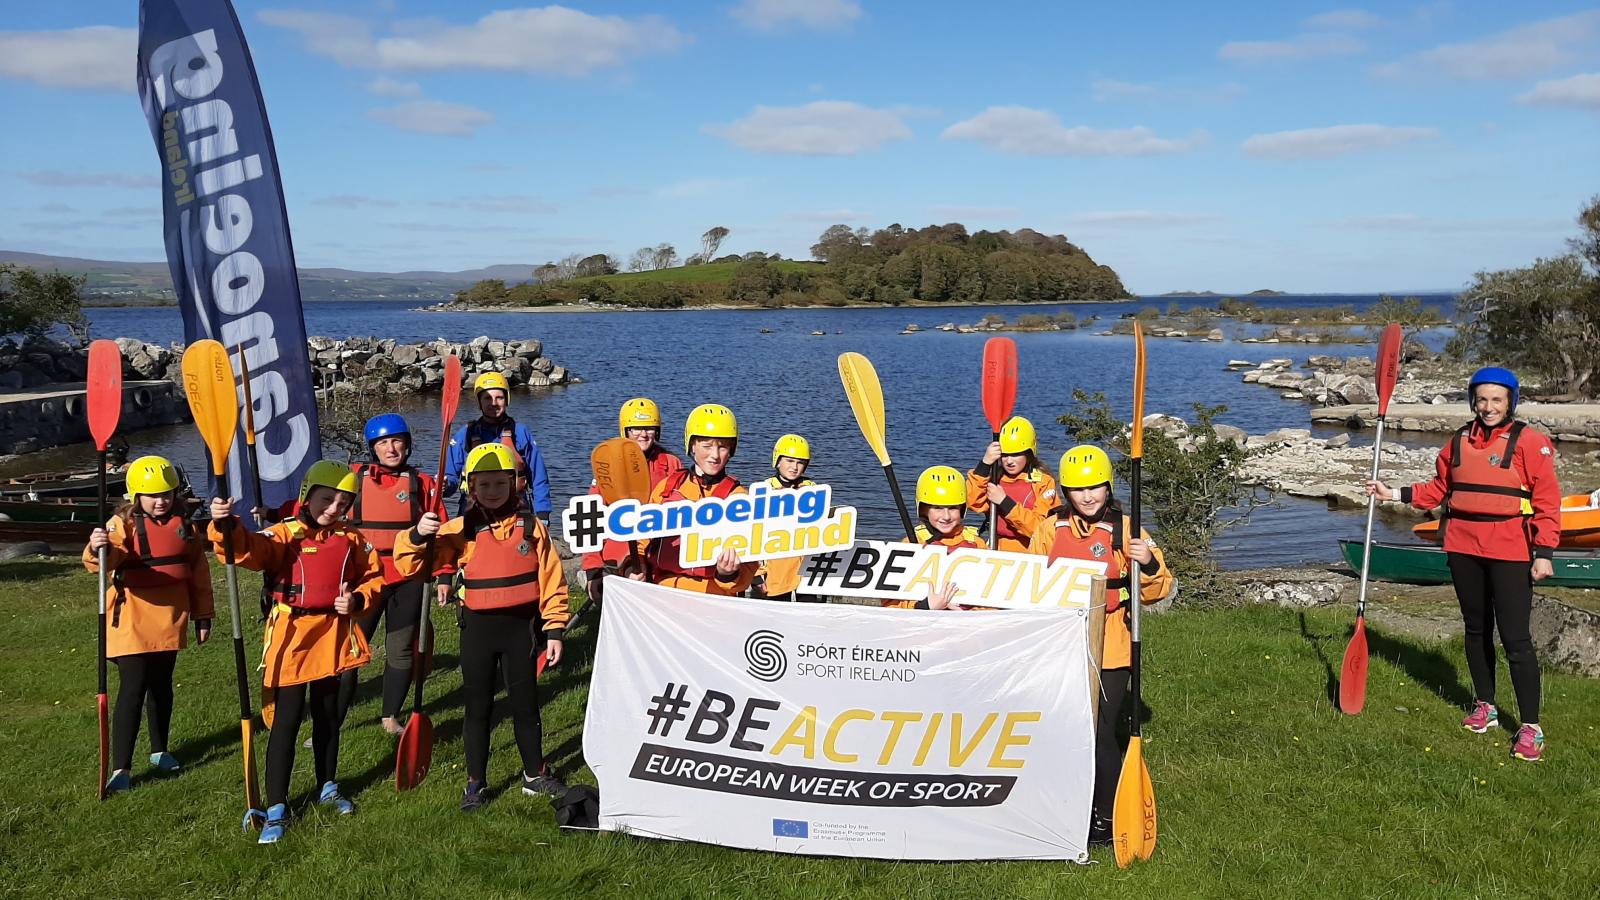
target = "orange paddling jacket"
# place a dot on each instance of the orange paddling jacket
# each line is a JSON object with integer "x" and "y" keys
{"x": 967, "y": 536}
{"x": 661, "y": 554}
{"x": 1066, "y": 535}
{"x": 781, "y": 576}
{"x": 506, "y": 561}
{"x": 1029, "y": 497}
{"x": 304, "y": 566}
{"x": 158, "y": 580}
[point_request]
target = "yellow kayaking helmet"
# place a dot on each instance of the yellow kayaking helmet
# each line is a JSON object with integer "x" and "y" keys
{"x": 489, "y": 381}
{"x": 327, "y": 473}
{"x": 1085, "y": 466}
{"x": 151, "y": 475}
{"x": 1017, "y": 435}
{"x": 793, "y": 446}
{"x": 490, "y": 458}
{"x": 640, "y": 412}
{"x": 710, "y": 420}
{"x": 941, "y": 486}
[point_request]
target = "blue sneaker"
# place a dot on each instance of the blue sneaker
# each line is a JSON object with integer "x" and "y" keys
{"x": 277, "y": 822}
{"x": 330, "y": 795}
{"x": 165, "y": 762}
{"x": 120, "y": 781}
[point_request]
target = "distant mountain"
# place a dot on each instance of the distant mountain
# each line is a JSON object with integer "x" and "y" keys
{"x": 112, "y": 281}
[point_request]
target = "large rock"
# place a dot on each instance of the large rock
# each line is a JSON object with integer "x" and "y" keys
{"x": 1346, "y": 389}
{"x": 1566, "y": 636}
{"x": 405, "y": 355}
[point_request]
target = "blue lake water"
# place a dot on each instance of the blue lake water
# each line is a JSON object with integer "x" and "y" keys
{"x": 788, "y": 381}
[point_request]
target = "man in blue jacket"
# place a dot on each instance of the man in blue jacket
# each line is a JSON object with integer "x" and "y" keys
{"x": 494, "y": 396}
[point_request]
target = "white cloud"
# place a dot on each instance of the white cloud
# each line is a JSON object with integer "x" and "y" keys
{"x": 1305, "y": 46}
{"x": 1344, "y": 20}
{"x": 96, "y": 57}
{"x": 546, "y": 40}
{"x": 831, "y": 216}
{"x": 1582, "y": 91}
{"x": 1336, "y": 140}
{"x": 89, "y": 179}
{"x": 1143, "y": 218}
{"x": 956, "y": 212}
{"x": 352, "y": 201}
{"x": 433, "y": 117}
{"x": 771, "y": 15}
{"x": 821, "y": 128}
{"x": 1107, "y": 89}
{"x": 385, "y": 86}
{"x": 1515, "y": 53}
{"x": 497, "y": 203}
{"x": 1037, "y": 132}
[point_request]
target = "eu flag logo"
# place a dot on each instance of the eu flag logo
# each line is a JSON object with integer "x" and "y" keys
{"x": 790, "y": 828}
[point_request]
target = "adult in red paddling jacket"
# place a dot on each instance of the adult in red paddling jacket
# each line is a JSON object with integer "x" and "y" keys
{"x": 1502, "y": 521}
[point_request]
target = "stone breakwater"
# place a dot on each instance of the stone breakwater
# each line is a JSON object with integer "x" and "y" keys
{"x": 409, "y": 368}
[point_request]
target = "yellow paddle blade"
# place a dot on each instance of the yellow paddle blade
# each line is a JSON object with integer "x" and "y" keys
{"x": 252, "y": 793}
{"x": 1136, "y": 444}
{"x": 866, "y": 401}
{"x": 1133, "y": 818}
{"x": 213, "y": 398}
{"x": 620, "y": 470}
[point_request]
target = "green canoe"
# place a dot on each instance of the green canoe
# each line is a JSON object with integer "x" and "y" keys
{"x": 1425, "y": 564}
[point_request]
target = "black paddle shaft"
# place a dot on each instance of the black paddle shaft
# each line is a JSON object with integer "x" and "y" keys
{"x": 241, "y": 673}
{"x": 1134, "y": 599}
{"x": 900, "y": 504}
{"x": 100, "y": 510}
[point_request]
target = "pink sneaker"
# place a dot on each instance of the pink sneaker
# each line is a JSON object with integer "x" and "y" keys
{"x": 1529, "y": 746}
{"x": 1482, "y": 718}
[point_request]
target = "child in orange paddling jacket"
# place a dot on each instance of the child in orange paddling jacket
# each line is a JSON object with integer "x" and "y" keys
{"x": 513, "y": 591}
{"x": 639, "y": 421}
{"x": 941, "y": 506}
{"x": 710, "y": 436}
{"x": 1088, "y": 525}
{"x": 776, "y": 579}
{"x": 320, "y": 574}
{"x": 1010, "y": 478}
{"x": 159, "y": 581}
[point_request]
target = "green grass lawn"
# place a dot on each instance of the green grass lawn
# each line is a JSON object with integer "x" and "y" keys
{"x": 1264, "y": 789}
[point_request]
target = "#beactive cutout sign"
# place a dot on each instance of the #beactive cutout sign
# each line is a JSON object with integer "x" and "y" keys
{"x": 763, "y": 524}
{"x": 892, "y": 571}
{"x": 841, "y": 730}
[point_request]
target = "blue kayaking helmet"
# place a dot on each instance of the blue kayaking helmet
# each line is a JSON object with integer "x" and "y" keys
{"x": 386, "y": 425}
{"x": 1495, "y": 375}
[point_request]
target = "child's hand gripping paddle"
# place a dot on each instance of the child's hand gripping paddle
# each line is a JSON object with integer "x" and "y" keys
{"x": 414, "y": 755}
{"x": 866, "y": 401}
{"x": 104, "y": 400}
{"x": 1133, "y": 818}
{"x": 1353, "y": 671}
{"x": 214, "y": 401}
{"x": 999, "y": 396}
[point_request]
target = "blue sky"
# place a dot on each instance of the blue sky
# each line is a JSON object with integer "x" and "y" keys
{"x": 1303, "y": 147}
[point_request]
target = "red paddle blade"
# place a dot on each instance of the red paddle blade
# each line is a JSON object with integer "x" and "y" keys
{"x": 999, "y": 380}
{"x": 1353, "y": 673}
{"x": 1388, "y": 370}
{"x": 105, "y": 742}
{"x": 414, "y": 755}
{"x": 104, "y": 390}
{"x": 449, "y": 400}
{"x": 539, "y": 664}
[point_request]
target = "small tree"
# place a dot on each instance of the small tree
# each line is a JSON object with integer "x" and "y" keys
{"x": 32, "y": 304}
{"x": 711, "y": 240}
{"x": 1543, "y": 319}
{"x": 1411, "y": 315}
{"x": 642, "y": 259}
{"x": 665, "y": 256}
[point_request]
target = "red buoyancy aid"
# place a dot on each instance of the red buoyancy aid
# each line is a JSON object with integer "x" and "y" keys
{"x": 381, "y": 514}
{"x": 969, "y": 538}
{"x": 314, "y": 571}
{"x": 663, "y": 465}
{"x": 1483, "y": 485}
{"x": 664, "y": 552}
{"x": 501, "y": 573}
{"x": 1021, "y": 492}
{"x": 1103, "y": 543}
{"x": 159, "y": 554}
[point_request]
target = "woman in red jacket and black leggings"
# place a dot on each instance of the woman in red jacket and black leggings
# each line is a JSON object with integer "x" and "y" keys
{"x": 1502, "y": 522}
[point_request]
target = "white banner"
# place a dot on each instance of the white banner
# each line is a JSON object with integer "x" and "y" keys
{"x": 841, "y": 730}
{"x": 884, "y": 570}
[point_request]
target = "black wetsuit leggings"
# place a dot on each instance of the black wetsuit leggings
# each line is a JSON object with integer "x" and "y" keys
{"x": 1110, "y": 739}
{"x": 504, "y": 637}
{"x": 1498, "y": 593}
{"x": 143, "y": 680}
{"x": 397, "y": 605}
{"x": 321, "y": 699}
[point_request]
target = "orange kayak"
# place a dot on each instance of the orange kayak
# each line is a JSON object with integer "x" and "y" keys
{"x": 1580, "y": 523}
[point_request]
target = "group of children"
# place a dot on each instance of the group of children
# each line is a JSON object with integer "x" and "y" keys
{"x": 366, "y": 542}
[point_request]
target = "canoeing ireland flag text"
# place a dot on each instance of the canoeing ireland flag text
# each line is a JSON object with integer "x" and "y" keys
{"x": 227, "y": 231}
